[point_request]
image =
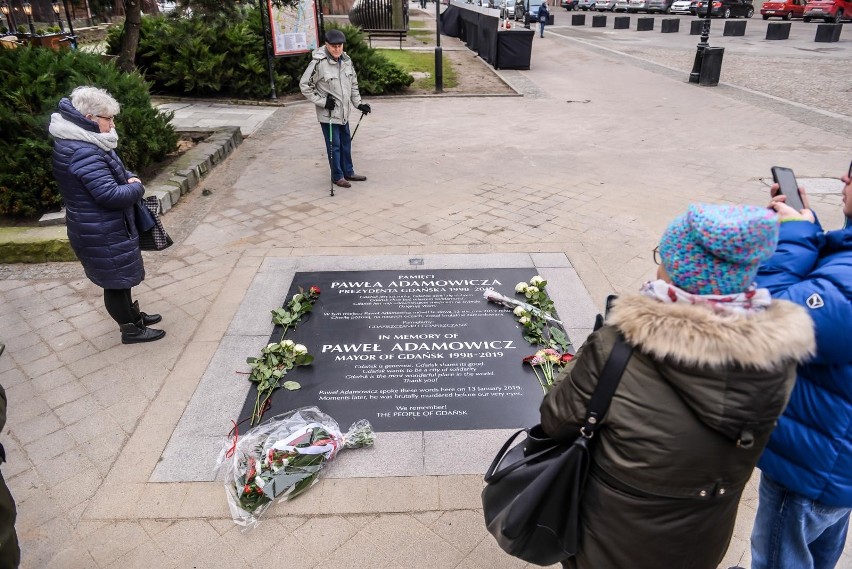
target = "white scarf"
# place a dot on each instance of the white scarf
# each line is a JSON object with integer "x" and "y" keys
{"x": 750, "y": 301}
{"x": 64, "y": 129}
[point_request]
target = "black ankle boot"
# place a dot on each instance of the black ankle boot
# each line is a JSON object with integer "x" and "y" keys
{"x": 147, "y": 319}
{"x": 135, "y": 333}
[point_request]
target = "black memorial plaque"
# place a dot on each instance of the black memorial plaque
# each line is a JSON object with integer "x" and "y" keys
{"x": 412, "y": 351}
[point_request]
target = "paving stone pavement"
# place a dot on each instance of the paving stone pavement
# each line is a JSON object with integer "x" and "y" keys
{"x": 593, "y": 167}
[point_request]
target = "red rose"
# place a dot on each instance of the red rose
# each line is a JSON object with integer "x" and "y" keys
{"x": 315, "y": 290}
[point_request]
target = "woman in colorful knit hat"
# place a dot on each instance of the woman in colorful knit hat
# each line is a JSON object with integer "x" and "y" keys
{"x": 713, "y": 364}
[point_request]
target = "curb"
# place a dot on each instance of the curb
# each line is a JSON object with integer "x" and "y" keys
{"x": 49, "y": 242}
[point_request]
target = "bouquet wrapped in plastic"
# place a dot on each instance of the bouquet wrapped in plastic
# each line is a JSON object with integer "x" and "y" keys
{"x": 282, "y": 458}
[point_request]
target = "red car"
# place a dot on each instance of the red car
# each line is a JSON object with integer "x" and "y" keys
{"x": 828, "y": 10}
{"x": 785, "y": 9}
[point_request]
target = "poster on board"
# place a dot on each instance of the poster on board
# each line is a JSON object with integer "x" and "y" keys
{"x": 295, "y": 30}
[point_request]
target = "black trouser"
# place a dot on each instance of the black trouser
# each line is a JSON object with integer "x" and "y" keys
{"x": 119, "y": 304}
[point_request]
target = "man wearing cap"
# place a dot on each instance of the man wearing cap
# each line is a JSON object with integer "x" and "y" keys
{"x": 331, "y": 84}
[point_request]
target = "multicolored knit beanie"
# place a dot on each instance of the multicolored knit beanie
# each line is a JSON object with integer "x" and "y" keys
{"x": 717, "y": 249}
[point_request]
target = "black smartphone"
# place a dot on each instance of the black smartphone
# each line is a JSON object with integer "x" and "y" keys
{"x": 785, "y": 178}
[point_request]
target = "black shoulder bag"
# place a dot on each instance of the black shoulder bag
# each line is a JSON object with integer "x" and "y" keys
{"x": 534, "y": 490}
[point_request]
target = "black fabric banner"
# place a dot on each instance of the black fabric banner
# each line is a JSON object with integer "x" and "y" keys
{"x": 481, "y": 33}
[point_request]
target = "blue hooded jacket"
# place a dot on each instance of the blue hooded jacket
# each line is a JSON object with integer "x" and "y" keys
{"x": 98, "y": 207}
{"x": 810, "y": 451}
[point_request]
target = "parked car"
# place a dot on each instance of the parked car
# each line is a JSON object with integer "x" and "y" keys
{"x": 828, "y": 10}
{"x": 726, "y": 8}
{"x": 693, "y": 7}
{"x": 570, "y": 4}
{"x": 605, "y": 5}
{"x": 621, "y": 5}
{"x": 680, "y": 6}
{"x": 784, "y": 9}
{"x": 585, "y": 5}
{"x": 527, "y": 10}
{"x": 507, "y": 9}
{"x": 661, "y": 6}
{"x": 634, "y": 6}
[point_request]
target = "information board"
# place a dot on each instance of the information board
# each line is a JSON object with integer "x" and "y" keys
{"x": 294, "y": 29}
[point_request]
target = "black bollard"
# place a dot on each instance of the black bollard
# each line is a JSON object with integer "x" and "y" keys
{"x": 578, "y": 20}
{"x": 734, "y": 28}
{"x": 644, "y": 24}
{"x": 598, "y": 21}
{"x": 670, "y": 26}
{"x": 711, "y": 66}
{"x": 695, "y": 27}
{"x": 828, "y": 33}
{"x": 778, "y": 31}
{"x": 621, "y": 23}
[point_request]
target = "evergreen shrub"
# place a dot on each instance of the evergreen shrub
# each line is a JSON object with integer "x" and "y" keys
{"x": 225, "y": 56}
{"x": 34, "y": 81}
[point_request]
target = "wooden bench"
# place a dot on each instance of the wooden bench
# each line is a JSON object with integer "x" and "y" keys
{"x": 397, "y": 34}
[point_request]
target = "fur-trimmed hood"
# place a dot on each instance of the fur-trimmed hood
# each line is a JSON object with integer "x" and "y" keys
{"x": 695, "y": 335}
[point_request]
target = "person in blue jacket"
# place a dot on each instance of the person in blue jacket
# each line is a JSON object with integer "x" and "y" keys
{"x": 100, "y": 195}
{"x": 543, "y": 14}
{"x": 806, "y": 482}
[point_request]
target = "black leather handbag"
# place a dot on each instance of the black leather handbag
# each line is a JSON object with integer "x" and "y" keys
{"x": 534, "y": 490}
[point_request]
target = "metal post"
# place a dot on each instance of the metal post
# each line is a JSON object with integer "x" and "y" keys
{"x": 70, "y": 25}
{"x": 439, "y": 57}
{"x": 270, "y": 60}
{"x": 702, "y": 44}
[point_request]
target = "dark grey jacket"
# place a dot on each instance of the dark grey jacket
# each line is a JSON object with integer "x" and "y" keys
{"x": 694, "y": 409}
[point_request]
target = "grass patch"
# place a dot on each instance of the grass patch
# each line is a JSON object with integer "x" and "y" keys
{"x": 416, "y": 61}
{"x": 416, "y": 24}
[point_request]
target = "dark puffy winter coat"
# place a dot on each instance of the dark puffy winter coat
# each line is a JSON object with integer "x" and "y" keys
{"x": 810, "y": 452}
{"x": 694, "y": 409}
{"x": 98, "y": 207}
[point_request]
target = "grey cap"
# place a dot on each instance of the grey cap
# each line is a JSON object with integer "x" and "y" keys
{"x": 334, "y": 36}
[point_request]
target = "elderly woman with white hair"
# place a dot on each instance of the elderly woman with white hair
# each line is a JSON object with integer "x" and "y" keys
{"x": 100, "y": 195}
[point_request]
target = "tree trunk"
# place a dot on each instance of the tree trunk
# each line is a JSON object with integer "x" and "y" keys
{"x": 130, "y": 40}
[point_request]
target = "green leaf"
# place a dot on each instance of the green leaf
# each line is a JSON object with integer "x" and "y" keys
{"x": 251, "y": 360}
{"x": 291, "y": 385}
{"x": 304, "y": 359}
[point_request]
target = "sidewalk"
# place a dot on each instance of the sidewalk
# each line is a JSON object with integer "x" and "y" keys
{"x": 585, "y": 171}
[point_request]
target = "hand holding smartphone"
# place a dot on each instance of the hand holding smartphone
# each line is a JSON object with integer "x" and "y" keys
{"x": 788, "y": 187}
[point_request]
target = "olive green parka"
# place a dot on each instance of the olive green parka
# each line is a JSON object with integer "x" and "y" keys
{"x": 694, "y": 410}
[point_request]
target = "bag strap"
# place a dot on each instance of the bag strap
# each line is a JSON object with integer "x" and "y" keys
{"x": 607, "y": 384}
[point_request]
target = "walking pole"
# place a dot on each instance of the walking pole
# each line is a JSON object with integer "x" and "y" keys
{"x": 331, "y": 152}
{"x": 357, "y": 125}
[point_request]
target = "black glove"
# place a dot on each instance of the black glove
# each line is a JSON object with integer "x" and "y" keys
{"x": 330, "y": 103}
{"x": 364, "y": 108}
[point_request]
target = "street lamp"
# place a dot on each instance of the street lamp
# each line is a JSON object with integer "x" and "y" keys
{"x": 28, "y": 11}
{"x": 703, "y": 44}
{"x": 10, "y": 17}
{"x": 55, "y": 6}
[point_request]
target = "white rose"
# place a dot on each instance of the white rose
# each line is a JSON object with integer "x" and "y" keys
{"x": 519, "y": 311}
{"x": 287, "y": 343}
{"x": 531, "y": 291}
{"x": 520, "y": 287}
{"x": 299, "y": 349}
{"x": 271, "y": 346}
{"x": 536, "y": 280}
{"x": 524, "y": 320}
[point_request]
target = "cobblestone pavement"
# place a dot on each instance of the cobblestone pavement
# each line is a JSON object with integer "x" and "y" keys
{"x": 577, "y": 170}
